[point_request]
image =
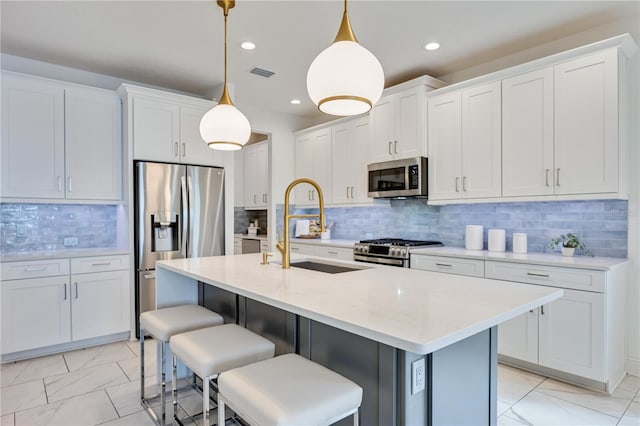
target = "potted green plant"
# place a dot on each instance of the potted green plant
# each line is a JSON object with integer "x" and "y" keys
{"x": 569, "y": 243}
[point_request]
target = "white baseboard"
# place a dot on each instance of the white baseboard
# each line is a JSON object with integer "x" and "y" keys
{"x": 632, "y": 366}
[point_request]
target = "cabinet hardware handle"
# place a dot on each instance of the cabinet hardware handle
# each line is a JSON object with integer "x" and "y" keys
{"x": 254, "y": 199}
{"x": 457, "y": 182}
{"x": 76, "y": 289}
{"x": 35, "y": 269}
{"x": 101, "y": 264}
{"x": 347, "y": 191}
{"x": 313, "y": 195}
{"x": 390, "y": 148}
{"x": 65, "y": 291}
{"x": 531, "y": 274}
{"x": 294, "y": 248}
{"x": 69, "y": 184}
{"x": 558, "y": 177}
{"x": 546, "y": 177}
{"x": 332, "y": 252}
{"x": 309, "y": 195}
{"x": 175, "y": 150}
{"x": 542, "y": 309}
{"x": 444, "y": 265}
{"x": 530, "y": 311}
{"x": 464, "y": 183}
{"x": 352, "y": 188}
{"x": 395, "y": 146}
{"x": 184, "y": 149}
{"x": 59, "y": 183}
{"x": 149, "y": 276}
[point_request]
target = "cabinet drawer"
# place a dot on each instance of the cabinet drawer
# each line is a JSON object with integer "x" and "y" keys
{"x": 34, "y": 269}
{"x": 303, "y": 249}
{"x": 83, "y": 265}
{"x": 341, "y": 253}
{"x": 572, "y": 278}
{"x": 450, "y": 265}
{"x": 264, "y": 245}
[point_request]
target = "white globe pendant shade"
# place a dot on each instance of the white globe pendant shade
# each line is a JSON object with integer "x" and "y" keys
{"x": 225, "y": 128}
{"x": 345, "y": 79}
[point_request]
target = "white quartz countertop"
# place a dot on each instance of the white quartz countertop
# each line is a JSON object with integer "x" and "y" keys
{"x": 416, "y": 311}
{"x": 583, "y": 262}
{"x": 328, "y": 243}
{"x": 61, "y": 254}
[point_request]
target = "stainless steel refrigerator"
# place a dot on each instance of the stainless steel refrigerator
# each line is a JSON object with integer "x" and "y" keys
{"x": 179, "y": 213}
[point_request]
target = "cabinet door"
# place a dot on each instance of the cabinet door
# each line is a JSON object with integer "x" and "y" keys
{"x": 156, "y": 130}
{"x": 304, "y": 166}
{"x": 342, "y": 162}
{"x": 193, "y": 149}
{"x": 99, "y": 304}
{"x": 572, "y": 334}
{"x": 518, "y": 337}
{"x": 410, "y": 138}
{"x": 32, "y": 138}
{"x": 262, "y": 172}
{"x": 321, "y": 165}
{"x": 586, "y": 124}
{"x": 358, "y": 153}
{"x": 93, "y": 147}
{"x": 481, "y": 142}
{"x": 35, "y": 313}
{"x": 382, "y": 130}
{"x": 303, "y": 249}
{"x": 527, "y": 134}
{"x": 445, "y": 144}
{"x": 255, "y": 176}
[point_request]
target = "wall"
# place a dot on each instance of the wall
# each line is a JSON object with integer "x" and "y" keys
{"x": 602, "y": 224}
{"x": 43, "y": 227}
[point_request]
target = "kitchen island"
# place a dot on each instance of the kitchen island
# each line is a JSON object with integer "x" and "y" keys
{"x": 371, "y": 324}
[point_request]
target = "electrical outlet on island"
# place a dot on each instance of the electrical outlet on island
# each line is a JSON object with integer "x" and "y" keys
{"x": 417, "y": 376}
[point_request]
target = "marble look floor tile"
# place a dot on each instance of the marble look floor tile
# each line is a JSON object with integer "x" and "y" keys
{"x": 83, "y": 381}
{"x": 502, "y": 407}
{"x": 613, "y": 405}
{"x": 150, "y": 345}
{"x": 131, "y": 367}
{"x": 513, "y": 384}
{"x": 140, "y": 418}
{"x": 126, "y": 397}
{"x": 21, "y": 397}
{"x": 631, "y": 416}
{"x": 630, "y": 383}
{"x": 541, "y": 409}
{"x": 505, "y": 420}
{"x": 90, "y": 409}
{"x": 8, "y": 420}
{"x": 98, "y": 355}
{"x": 31, "y": 369}
{"x": 191, "y": 401}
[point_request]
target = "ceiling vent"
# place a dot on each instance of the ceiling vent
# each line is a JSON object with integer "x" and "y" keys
{"x": 262, "y": 72}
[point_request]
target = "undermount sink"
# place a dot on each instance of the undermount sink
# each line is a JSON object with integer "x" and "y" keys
{"x": 326, "y": 267}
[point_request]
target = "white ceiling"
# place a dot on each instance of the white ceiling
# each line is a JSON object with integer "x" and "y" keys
{"x": 178, "y": 44}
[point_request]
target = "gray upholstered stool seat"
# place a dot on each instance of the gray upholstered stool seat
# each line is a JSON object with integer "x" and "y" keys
{"x": 162, "y": 324}
{"x": 288, "y": 390}
{"x": 210, "y": 351}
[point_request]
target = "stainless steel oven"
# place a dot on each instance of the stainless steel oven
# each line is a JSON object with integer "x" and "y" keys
{"x": 389, "y": 251}
{"x": 398, "y": 178}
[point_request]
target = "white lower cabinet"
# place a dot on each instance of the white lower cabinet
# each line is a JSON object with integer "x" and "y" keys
{"x": 81, "y": 298}
{"x": 450, "y": 265}
{"x": 323, "y": 250}
{"x": 302, "y": 249}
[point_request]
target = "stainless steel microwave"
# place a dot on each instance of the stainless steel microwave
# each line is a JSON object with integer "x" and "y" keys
{"x": 398, "y": 178}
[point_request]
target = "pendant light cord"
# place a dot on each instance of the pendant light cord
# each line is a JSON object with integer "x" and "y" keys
{"x": 225, "y": 98}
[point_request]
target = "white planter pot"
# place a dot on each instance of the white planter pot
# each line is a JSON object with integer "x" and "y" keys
{"x": 568, "y": 251}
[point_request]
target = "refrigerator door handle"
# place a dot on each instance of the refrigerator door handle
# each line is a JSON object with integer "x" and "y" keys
{"x": 190, "y": 207}
{"x": 185, "y": 216}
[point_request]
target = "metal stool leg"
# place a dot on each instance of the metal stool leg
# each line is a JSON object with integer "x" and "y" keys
{"x": 163, "y": 395}
{"x": 221, "y": 416}
{"x": 141, "y": 365}
{"x": 174, "y": 385}
{"x": 205, "y": 401}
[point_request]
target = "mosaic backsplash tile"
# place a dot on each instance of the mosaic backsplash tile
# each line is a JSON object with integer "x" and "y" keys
{"x": 600, "y": 224}
{"x": 41, "y": 227}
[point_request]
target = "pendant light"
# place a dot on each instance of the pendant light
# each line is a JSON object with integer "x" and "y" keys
{"x": 224, "y": 127}
{"x": 345, "y": 78}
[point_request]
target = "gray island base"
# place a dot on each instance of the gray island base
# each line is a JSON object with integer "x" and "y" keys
{"x": 371, "y": 326}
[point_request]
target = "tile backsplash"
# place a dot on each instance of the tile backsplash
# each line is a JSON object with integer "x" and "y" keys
{"x": 41, "y": 227}
{"x": 600, "y": 224}
{"x": 243, "y": 217}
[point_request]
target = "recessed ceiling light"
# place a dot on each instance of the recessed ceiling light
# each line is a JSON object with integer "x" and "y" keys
{"x": 432, "y": 46}
{"x": 295, "y": 101}
{"x": 247, "y": 45}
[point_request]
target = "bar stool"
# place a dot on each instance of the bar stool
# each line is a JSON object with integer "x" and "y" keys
{"x": 210, "y": 351}
{"x": 288, "y": 390}
{"x": 161, "y": 324}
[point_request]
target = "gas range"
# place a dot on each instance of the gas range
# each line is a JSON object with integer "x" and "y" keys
{"x": 389, "y": 251}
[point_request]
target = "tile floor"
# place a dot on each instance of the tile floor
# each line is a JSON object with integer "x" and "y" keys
{"x": 100, "y": 386}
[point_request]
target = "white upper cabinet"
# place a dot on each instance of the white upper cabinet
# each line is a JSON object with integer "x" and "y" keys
{"x": 398, "y": 123}
{"x": 256, "y": 176}
{"x": 93, "y": 147}
{"x": 349, "y": 145}
{"x": 60, "y": 140}
{"x": 464, "y": 144}
{"x": 527, "y": 134}
{"x": 32, "y": 137}
{"x": 586, "y": 124}
{"x": 313, "y": 160}
{"x": 166, "y": 127}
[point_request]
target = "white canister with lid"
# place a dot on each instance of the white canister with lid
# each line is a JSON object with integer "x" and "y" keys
{"x": 474, "y": 238}
{"x": 519, "y": 242}
{"x": 497, "y": 238}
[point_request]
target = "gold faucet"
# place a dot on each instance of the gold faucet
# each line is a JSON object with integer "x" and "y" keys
{"x": 283, "y": 246}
